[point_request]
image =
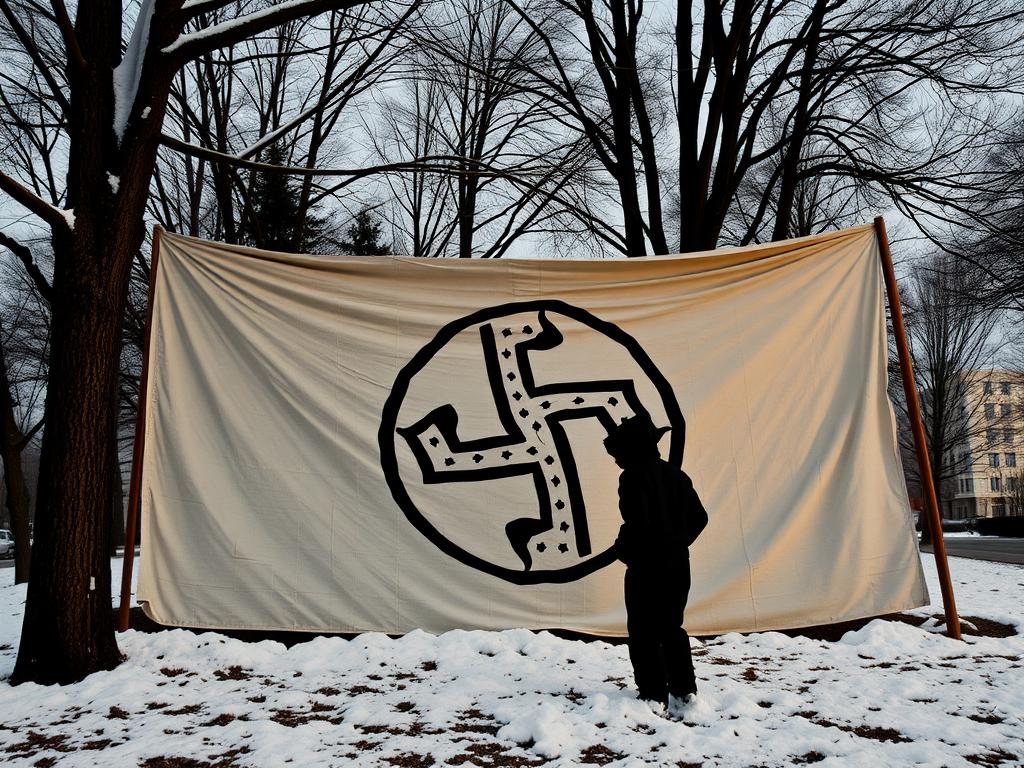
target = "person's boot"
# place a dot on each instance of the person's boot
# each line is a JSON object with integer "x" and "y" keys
{"x": 679, "y": 703}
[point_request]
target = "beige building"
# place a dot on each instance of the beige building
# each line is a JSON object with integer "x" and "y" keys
{"x": 990, "y": 458}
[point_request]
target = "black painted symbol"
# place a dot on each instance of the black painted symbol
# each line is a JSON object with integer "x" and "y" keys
{"x": 434, "y": 433}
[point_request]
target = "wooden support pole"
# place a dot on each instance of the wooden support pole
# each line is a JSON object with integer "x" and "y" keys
{"x": 917, "y": 427}
{"x": 135, "y": 486}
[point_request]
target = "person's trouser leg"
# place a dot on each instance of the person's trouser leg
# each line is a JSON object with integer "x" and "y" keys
{"x": 681, "y": 676}
{"x": 645, "y": 646}
{"x": 675, "y": 640}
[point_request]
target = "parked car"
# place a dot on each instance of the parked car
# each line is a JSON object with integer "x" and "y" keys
{"x": 6, "y": 543}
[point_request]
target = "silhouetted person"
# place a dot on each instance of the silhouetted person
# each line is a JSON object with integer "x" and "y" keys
{"x": 661, "y": 517}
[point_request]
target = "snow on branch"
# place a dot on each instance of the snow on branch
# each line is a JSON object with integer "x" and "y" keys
{"x": 57, "y": 218}
{"x": 129, "y": 71}
{"x": 233, "y": 30}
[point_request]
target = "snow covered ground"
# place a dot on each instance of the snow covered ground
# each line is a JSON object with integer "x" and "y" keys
{"x": 889, "y": 694}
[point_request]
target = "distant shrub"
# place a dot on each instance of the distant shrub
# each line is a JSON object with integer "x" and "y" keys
{"x": 1000, "y": 526}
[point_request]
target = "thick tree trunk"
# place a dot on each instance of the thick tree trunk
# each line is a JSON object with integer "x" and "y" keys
{"x": 68, "y": 629}
{"x": 14, "y": 476}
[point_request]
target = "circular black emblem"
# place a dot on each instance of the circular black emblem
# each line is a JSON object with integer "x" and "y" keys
{"x": 503, "y": 488}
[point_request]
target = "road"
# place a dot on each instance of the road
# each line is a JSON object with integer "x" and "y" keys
{"x": 985, "y": 548}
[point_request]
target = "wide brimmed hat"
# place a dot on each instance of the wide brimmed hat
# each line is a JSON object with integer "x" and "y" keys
{"x": 634, "y": 433}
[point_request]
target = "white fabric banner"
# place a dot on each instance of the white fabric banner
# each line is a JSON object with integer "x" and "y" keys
{"x": 341, "y": 444}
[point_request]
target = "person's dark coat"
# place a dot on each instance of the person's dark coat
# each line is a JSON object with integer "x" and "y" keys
{"x": 661, "y": 512}
{"x": 661, "y": 517}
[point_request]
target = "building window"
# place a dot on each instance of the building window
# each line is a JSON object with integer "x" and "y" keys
{"x": 1005, "y": 388}
{"x": 1011, "y": 459}
{"x": 990, "y": 436}
{"x": 969, "y": 485}
{"x": 1008, "y": 436}
{"x": 990, "y": 410}
{"x": 987, "y": 387}
{"x": 993, "y": 460}
{"x": 1011, "y": 483}
{"x": 993, "y": 483}
{"x": 1005, "y": 409}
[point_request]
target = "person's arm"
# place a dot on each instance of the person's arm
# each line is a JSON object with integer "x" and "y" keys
{"x": 624, "y": 546}
{"x": 695, "y": 517}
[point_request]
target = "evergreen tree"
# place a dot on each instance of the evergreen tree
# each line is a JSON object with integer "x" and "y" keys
{"x": 273, "y": 216}
{"x": 363, "y": 236}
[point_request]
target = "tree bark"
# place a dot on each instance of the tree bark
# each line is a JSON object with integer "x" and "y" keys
{"x": 68, "y": 627}
{"x": 68, "y": 630}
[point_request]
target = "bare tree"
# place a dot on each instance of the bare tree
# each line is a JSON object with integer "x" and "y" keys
{"x": 106, "y": 99}
{"x": 894, "y": 95}
{"x": 950, "y": 332}
{"x": 24, "y": 338}
{"x": 292, "y": 92}
{"x": 511, "y": 169}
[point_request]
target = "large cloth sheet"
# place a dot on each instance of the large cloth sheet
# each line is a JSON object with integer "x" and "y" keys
{"x": 388, "y": 443}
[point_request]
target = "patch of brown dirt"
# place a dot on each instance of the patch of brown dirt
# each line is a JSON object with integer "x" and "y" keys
{"x": 291, "y": 718}
{"x": 864, "y": 731}
{"x": 989, "y": 719}
{"x": 226, "y": 760}
{"x": 97, "y": 744}
{"x": 357, "y": 690}
{"x": 810, "y": 757}
{"x": 599, "y": 754}
{"x": 224, "y": 719}
{"x": 188, "y": 709}
{"x": 493, "y": 755}
{"x": 464, "y": 722}
{"x": 234, "y": 672}
{"x": 410, "y": 760}
{"x": 36, "y": 742}
{"x": 993, "y": 757}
